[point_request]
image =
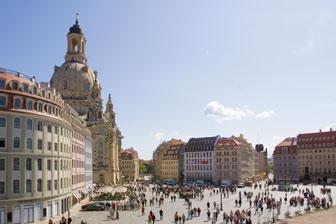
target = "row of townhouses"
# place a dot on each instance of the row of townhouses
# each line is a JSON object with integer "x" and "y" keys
{"x": 307, "y": 157}
{"x": 210, "y": 160}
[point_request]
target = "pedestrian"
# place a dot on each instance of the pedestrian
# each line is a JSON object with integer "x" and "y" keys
{"x": 63, "y": 220}
{"x": 69, "y": 220}
{"x": 208, "y": 214}
{"x": 183, "y": 218}
{"x": 161, "y": 214}
{"x": 50, "y": 221}
{"x": 117, "y": 214}
{"x": 153, "y": 218}
{"x": 143, "y": 210}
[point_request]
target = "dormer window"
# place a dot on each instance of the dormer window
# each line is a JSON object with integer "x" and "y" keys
{"x": 43, "y": 93}
{"x": 65, "y": 84}
{"x": 34, "y": 90}
{"x": 2, "y": 84}
{"x": 15, "y": 85}
{"x": 25, "y": 88}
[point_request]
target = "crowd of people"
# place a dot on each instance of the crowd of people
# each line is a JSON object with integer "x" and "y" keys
{"x": 149, "y": 199}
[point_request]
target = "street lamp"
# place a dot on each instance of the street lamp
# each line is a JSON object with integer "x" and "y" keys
{"x": 221, "y": 198}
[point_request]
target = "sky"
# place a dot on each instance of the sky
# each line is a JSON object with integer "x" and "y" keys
{"x": 191, "y": 68}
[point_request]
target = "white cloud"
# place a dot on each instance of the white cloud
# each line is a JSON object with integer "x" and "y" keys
{"x": 223, "y": 113}
{"x": 159, "y": 136}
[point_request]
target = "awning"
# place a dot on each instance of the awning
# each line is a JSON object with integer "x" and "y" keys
{"x": 77, "y": 195}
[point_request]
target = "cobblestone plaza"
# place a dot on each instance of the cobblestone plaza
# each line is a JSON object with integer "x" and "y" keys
{"x": 169, "y": 208}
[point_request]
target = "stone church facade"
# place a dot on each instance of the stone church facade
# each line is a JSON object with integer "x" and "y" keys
{"x": 80, "y": 88}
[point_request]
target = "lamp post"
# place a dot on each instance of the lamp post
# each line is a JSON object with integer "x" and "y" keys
{"x": 221, "y": 198}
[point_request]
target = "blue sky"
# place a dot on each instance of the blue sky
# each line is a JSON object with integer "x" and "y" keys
{"x": 191, "y": 68}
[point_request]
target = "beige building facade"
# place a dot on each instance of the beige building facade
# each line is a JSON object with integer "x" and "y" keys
{"x": 308, "y": 157}
{"x": 79, "y": 86}
{"x": 165, "y": 160}
{"x": 129, "y": 165}
{"x": 169, "y": 168}
{"x": 35, "y": 151}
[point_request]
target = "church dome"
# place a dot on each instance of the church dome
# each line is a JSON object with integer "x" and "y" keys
{"x": 73, "y": 80}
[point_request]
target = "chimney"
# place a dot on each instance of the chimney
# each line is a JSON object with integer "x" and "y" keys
{"x": 330, "y": 129}
{"x": 320, "y": 130}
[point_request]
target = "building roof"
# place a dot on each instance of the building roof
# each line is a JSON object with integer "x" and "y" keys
{"x": 227, "y": 141}
{"x": 201, "y": 144}
{"x": 317, "y": 139}
{"x": 289, "y": 144}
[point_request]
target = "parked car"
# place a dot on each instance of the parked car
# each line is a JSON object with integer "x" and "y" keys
{"x": 93, "y": 207}
{"x": 240, "y": 185}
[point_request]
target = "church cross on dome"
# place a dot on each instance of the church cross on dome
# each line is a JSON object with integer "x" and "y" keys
{"x": 77, "y": 18}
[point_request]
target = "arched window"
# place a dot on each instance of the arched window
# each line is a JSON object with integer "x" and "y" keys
{"x": 16, "y": 186}
{"x": 16, "y": 122}
{"x": 75, "y": 46}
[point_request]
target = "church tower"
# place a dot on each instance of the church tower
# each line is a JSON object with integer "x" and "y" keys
{"x": 76, "y": 44}
{"x": 79, "y": 86}
{"x": 74, "y": 78}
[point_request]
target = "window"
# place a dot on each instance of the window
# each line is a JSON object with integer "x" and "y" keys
{"x": 56, "y": 184}
{"x": 49, "y": 185}
{"x": 16, "y": 142}
{"x": 49, "y": 146}
{"x": 17, "y": 103}
{"x": 34, "y": 90}
{"x": 56, "y": 165}
{"x": 39, "y": 185}
{"x": 2, "y": 187}
{"x": 15, "y": 85}
{"x": 16, "y": 122}
{"x": 39, "y": 144}
{"x": 55, "y": 129}
{"x": 55, "y": 146}
{"x": 29, "y": 105}
{"x": 39, "y": 126}
{"x": 65, "y": 84}
{"x": 16, "y": 186}
{"x": 16, "y": 164}
{"x": 28, "y": 185}
{"x": 25, "y": 88}
{"x": 49, "y": 109}
{"x": 49, "y": 128}
{"x": 39, "y": 164}
{"x": 49, "y": 165}
{"x": 29, "y": 144}
{"x": 2, "y": 164}
{"x": 40, "y": 107}
{"x": 28, "y": 164}
{"x": 29, "y": 124}
{"x": 2, "y": 142}
{"x": 2, "y": 122}
{"x": 2, "y": 83}
{"x": 3, "y": 101}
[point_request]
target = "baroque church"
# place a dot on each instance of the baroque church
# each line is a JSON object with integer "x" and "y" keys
{"x": 79, "y": 86}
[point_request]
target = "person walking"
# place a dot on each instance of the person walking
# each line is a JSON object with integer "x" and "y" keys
{"x": 161, "y": 214}
{"x": 117, "y": 214}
